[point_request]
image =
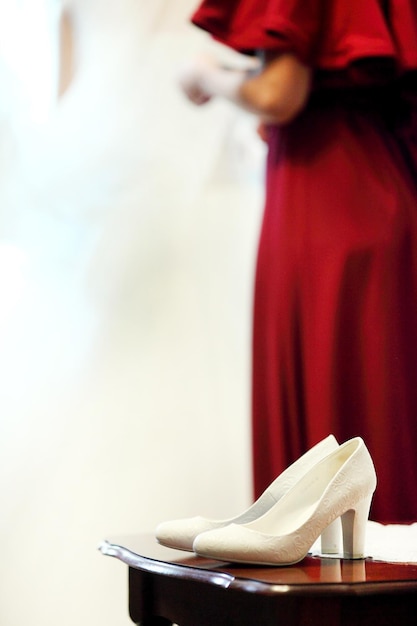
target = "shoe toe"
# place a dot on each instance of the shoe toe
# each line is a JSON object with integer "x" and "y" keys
{"x": 181, "y": 533}
{"x": 239, "y": 544}
{"x": 232, "y": 543}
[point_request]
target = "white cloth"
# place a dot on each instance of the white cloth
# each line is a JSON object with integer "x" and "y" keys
{"x": 395, "y": 543}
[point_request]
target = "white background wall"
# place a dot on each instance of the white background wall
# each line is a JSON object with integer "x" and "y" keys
{"x": 128, "y": 226}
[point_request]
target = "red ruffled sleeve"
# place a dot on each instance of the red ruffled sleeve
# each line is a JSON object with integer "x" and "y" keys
{"x": 326, "y": 34}
{"x": 250, "y": 25}
{"x": 404, "y": 26}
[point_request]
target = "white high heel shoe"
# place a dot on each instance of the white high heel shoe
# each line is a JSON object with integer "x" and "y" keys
{"x": 339, "y": 486}
{"x": 181, "y": 533}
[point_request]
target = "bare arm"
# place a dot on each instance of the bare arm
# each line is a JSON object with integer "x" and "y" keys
{"x": 277, "y": 93}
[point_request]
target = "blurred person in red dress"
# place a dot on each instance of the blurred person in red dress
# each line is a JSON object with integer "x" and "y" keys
{"x": 335, "y": 304}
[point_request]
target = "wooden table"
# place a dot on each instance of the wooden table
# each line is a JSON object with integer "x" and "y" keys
{"x": 168, "y": 586}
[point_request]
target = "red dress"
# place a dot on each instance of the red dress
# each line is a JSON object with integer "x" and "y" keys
{"x": 335, "y": 310}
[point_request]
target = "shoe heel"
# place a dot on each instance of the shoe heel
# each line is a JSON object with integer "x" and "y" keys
{"x": 331, "y": 538}
{"x": 354, "y": 523}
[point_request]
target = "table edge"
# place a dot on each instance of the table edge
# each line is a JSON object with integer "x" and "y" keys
{"x": 248, "y": 585}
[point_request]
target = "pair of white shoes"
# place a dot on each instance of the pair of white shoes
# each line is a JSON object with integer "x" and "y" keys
{"x": 327, "y": 484}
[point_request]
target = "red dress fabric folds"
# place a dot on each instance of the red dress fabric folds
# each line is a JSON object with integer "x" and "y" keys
{"x": 335, "y": 306}
{"x": 327, "y": 34}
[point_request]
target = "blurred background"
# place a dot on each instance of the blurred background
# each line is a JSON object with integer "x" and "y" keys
{"x": 128, "y": 229}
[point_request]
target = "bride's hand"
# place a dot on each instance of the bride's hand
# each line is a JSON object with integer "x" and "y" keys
{"x": 192, "y": 76}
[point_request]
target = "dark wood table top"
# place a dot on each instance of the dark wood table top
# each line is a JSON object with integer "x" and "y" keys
{"x": 313, "y": 575}
{"x": 169, "y": 587}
